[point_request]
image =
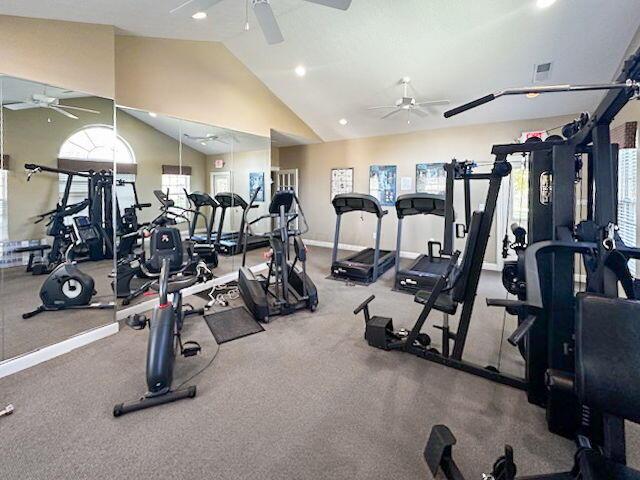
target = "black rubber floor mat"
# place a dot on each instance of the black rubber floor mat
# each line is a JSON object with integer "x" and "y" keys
{"x": 232, "y": 324}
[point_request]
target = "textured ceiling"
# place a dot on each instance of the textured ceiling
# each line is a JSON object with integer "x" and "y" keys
{"x": 452, "y": 49}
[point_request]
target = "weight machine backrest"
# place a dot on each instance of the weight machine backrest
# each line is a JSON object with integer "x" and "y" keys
{"x": 470, "y": 250}
{"x": 608, "y": 354}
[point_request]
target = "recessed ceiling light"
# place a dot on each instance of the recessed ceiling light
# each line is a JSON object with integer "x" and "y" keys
{"x": 545, "y": 3}
{"x": 343, "y": 121}
{"x": 301, "y": 71}
{"x": 199, "y": 15}
{"x": 153, "y": 114}
{"x": 532, "y": 95}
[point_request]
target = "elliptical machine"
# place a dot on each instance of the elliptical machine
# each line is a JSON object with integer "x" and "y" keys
{"x": 165, "y": 326}
{"x": 285, "y": 289}
{"x": 67, "y": 287}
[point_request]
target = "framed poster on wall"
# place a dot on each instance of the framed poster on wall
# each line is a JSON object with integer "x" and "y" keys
{"x": 341, "y": 181}
{"x": 431, "y": 178}
{"x": 382, "y": 183}
{"x": 256, "y": 180}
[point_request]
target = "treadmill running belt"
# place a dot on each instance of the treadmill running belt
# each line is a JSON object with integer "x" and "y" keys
{"x": 365, "y": 256}
{"x": 425, "y": 264}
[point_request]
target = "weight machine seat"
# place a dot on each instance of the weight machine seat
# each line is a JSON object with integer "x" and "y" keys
{"x": 444, "y": 303}
{"x": 448, "y": 301}
{"x": 357, "y": 202}
{"x": 607, "y": 355}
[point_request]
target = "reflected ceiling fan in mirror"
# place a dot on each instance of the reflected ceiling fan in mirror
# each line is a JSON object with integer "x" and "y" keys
{"x": 52, "y": 103}
{"x": 263, "y": 12}
{"x": 210, "y": 138}
{"x": 409, "y": 104}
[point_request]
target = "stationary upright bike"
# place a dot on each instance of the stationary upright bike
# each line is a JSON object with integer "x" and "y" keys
{"x": 165, "y": 327}
{"x": 67, "y": 287}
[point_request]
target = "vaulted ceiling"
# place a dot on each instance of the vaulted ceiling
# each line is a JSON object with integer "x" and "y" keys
{"x": 451, "y": 49}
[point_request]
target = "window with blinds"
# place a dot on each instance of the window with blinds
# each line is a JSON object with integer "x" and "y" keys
{"x": 176, "y": 185}
{"x": 627, "y": 203}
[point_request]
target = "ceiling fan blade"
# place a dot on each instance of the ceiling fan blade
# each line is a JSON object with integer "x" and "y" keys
{"x": 433, "y": 103}
{"x": 420, "y": 113}
{"x": 195, "y": 5}
{"x": 20, "y": 106}
{"x": 66, "y": 114}
{"x": 80, "y": 109}
{"x": 382, "y": 106}
{"x": 339, "y": 4}
{"x": 398, "y": 110}
{"x": 268, "y": 22}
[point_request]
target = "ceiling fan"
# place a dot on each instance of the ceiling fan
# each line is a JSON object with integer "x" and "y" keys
{"x": 263, "y": 12}
{"x": 210, "y": 138}
{"x": 409, "y": 104}
{"x": 52, "y": 103}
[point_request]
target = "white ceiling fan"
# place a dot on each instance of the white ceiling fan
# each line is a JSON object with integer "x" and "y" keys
{"x": 263, "y": 12}
{"x": 210, "y": 138}
{"x": 52, "y": 103}
{"x": 409, "y": 104}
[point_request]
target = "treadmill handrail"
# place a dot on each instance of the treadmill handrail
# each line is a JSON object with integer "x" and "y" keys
{"x": 357, "y": 202}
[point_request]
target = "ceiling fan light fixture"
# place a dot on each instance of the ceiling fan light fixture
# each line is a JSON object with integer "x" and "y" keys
{"x": 153, "y": 114}
{"x": 301, "y": 70}
{"x": 343, "y": 121}
{"x": 532, "y": 95}
{"x": 199, "y": 15}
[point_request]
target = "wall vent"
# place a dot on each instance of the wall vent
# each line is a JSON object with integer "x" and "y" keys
{"x": 541, "y": 72}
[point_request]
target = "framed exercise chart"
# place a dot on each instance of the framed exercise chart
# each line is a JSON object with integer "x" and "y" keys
{"x": 341, "y": 181}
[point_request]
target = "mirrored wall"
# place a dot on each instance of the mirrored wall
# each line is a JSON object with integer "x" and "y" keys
{"x": 57, "y": 237}
{"x": 80, "y": 180}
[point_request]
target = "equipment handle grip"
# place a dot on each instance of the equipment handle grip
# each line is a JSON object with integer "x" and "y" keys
{"x": 522, "y": 330}
{"x": 360, "y": 307}
{"x": 469, "y": 106}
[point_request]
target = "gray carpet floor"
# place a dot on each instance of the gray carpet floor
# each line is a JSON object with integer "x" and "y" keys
{"x": 19, "y": 294}
{"x": 306, "y": 399}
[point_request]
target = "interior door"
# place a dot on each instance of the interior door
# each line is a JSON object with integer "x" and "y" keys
{"x": 221, "y": 182}
{"x": 287, "y": 180}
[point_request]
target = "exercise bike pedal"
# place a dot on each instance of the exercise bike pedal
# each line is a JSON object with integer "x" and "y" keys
{"x": 137, "y": 321}
{"x": 190, "y": 349}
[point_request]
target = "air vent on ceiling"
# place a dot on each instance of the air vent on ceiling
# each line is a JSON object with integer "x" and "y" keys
{"x": 541, "y": 72}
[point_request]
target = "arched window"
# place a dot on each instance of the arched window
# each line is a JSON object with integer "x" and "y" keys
{"x": 97, "y": 143}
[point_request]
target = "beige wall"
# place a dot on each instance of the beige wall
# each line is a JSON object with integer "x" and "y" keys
{"x": 77, "y": 56}
{"x": 472, "y": 143}
{"x": 241, "y": 164}
{"x": 30, "y": 138}
{"x": 200, "y": 81}
{"x": 153, "y": 149}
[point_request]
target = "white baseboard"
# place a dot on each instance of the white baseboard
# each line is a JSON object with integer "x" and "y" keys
{"x": 123, "y": 313}
{"x": 27, "y": 360}
{"x": 403, "y": 254}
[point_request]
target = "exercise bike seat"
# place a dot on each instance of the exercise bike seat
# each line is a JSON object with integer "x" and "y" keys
{"x": 176, "y": 284}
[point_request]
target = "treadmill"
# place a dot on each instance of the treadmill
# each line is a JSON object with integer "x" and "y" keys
{"x": 231, "y": 243}
{"x": 366, "y": 265}
{"x": 425, "y": 271}
{"x": 204, "y": 244}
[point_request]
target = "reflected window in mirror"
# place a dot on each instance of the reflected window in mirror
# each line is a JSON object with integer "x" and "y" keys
{"x": 175, "y": 185}
{"x": 96, "y": 143}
